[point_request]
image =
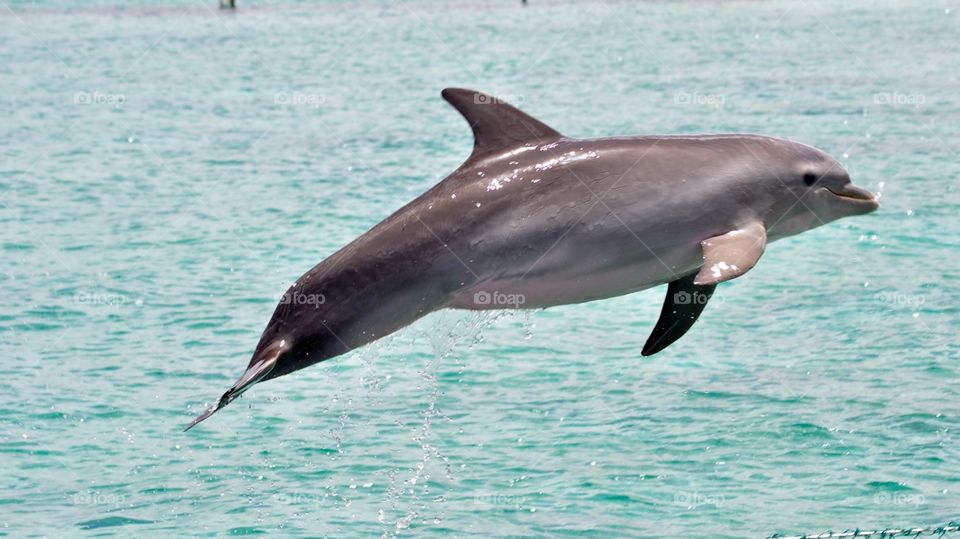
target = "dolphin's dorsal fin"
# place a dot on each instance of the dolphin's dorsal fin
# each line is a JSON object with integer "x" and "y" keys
{"x": 496, "y": 125}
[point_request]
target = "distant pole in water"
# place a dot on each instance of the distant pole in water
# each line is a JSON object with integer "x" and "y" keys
{"x": 524, "y": 2}
{"x": 228, "y": 4}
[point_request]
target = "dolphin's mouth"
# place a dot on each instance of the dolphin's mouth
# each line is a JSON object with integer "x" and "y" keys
{"x": 856, "y": 195}
{"x": 253, "y": 375}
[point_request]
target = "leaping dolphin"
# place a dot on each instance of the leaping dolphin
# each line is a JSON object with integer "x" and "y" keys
{"x": 535, "y": 219}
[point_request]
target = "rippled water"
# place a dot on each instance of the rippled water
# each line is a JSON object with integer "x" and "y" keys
{"x": 167, "y": 171}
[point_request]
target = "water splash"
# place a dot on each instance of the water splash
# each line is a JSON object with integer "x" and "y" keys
{"x": 409, "y": 490}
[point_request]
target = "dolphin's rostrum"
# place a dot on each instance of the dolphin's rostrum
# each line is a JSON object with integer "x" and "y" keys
{"x": 535, "y": 219}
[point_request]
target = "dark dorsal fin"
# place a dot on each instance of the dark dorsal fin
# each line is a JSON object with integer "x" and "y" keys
{"x": 496, "y": 125}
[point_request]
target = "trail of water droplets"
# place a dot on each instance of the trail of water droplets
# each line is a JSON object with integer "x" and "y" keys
{"x": 409, "y": 492}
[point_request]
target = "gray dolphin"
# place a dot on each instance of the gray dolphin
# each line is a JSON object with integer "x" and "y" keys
{"x": 534, "y": 219}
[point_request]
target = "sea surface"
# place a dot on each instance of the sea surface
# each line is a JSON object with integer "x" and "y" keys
{"x": 168, "y": 169}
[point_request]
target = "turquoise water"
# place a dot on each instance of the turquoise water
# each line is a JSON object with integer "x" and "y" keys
{"x": 168, "y": 171}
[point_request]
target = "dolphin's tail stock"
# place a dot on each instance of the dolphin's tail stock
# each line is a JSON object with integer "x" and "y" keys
{"x": 257, "y": 371}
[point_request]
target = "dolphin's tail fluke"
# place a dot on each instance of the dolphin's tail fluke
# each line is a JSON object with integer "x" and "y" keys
{"x": 254, "y": 374}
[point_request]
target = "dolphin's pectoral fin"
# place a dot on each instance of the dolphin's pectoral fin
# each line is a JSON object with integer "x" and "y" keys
{"x": 496, "y": 125}
{"x": 732, "y": 254}
{"x": 724, "y": 257}
{"x": 684, "y": 302}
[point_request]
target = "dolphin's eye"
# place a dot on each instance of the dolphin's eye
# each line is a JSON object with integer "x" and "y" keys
{"x": 809, "y": 178}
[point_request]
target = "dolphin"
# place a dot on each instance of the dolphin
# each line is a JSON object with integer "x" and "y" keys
{"x": 534, "y": 219}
